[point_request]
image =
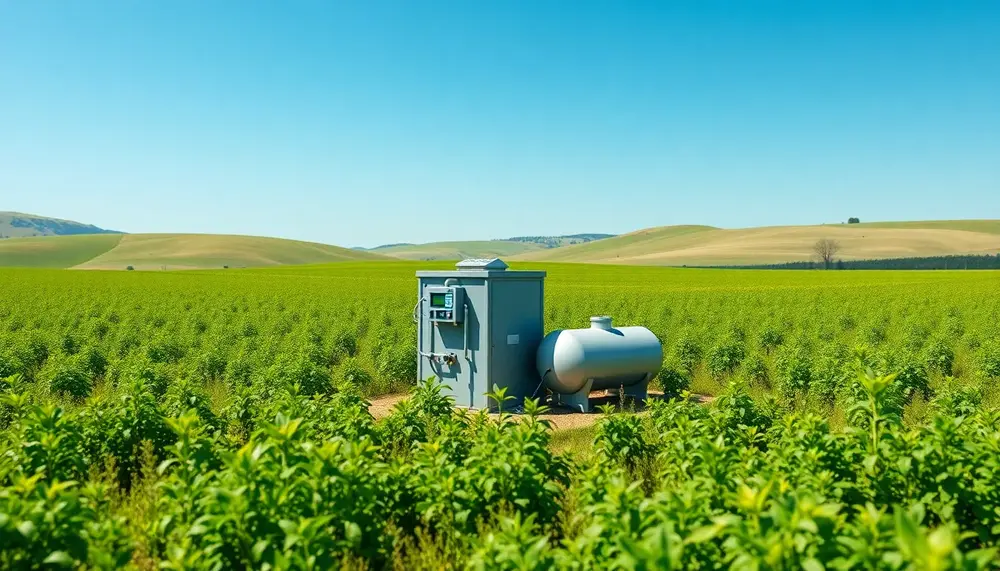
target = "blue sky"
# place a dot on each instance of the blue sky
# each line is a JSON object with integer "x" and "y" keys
{"x": 359, "y": 123}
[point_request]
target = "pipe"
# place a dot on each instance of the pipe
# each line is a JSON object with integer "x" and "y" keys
{"x": 465, "y": 330}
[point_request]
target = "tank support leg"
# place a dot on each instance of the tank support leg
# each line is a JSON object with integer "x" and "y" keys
{"x": 639, "y": 390}
{"x": 580, "y": 400}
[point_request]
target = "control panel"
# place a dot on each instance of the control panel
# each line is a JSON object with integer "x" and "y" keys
{"x": 446, "y": 304}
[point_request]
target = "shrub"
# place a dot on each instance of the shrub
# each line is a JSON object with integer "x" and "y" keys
{"x": 940, "y": 356}
{"x": 875, "y": 333}
{"x": 211, "y": 364}
{"x": 397, "y": 364}
{"x": 10, "y": 364}
{"x": 353, "y": 374}
{"x": 688, "y": 354}
{"x": 771, "y": 338}
{"x": 33, "y": 352}
{"x": 989, "y": 360}
{"x": 725, "y": 356}
{"x": 911, "y": 375}
{"x": 154, "y": 377}
{"x": 416, "y": 419}
{"x": 185, "y": 397}
{"x": 52, "y": 445}
{"x": 345, "y": 344}
{"x": 755, "y": 369}
{"x": 113, "y": 429}
{"x": 302, "y": 372}
{"x": 794, "y": 370}
{"x": 70, "y": 343}
{"x": 622, "y": 438}
{"x": 48, "y": 524}
{"x": 830, "y": 376}
{"x": 673, "y": 380}
{"x": 68, "y": 376}
{"x": 957, "y": 400}
{"x": 94, "y": 361}
{"x": 165, "y": 350}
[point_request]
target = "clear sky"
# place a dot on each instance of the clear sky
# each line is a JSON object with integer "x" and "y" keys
{"x": 366, "y": 122}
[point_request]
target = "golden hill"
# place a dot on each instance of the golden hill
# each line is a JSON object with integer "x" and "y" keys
{"x": 706, "y": 245}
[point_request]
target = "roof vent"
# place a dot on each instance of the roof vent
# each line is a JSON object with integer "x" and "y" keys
{"x": 600, "y": 322}
{"x": 482, "y": 264}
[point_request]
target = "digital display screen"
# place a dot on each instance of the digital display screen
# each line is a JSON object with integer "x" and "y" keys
{"x": 440, "y": 300}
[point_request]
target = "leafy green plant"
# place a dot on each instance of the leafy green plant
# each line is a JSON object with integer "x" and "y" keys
{"x": 69, "y": 376}
{"x": 725, "y": 356}
{"x": 673, "y": 380}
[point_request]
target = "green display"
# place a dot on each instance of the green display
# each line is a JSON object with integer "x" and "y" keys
{"x": 438, "y": 299}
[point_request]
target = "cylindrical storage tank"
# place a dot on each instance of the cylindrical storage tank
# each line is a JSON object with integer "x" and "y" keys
{"x": 611, "y": 357}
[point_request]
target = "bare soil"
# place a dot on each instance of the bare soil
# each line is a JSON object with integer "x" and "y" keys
{"x": 561, "y": 418}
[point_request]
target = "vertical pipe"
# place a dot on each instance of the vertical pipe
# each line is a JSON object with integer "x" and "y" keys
{"x": 465, "y": 330}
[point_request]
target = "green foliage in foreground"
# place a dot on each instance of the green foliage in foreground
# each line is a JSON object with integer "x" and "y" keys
{"x": 686, "y": 486}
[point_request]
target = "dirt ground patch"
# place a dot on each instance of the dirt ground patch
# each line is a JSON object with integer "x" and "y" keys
{"x": 561, "y": 418}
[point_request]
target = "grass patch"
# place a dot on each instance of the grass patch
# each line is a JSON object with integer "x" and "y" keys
{"x": 578, "y": 442}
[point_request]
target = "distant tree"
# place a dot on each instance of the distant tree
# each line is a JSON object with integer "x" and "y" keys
{"x": 853, "y": 220}
{"x": 130, "y": 268}
{"x": 826, "y": 250}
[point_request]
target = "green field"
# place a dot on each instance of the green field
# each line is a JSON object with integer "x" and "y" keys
{"x": 168, "y": 252}
{"x": 218, "y": 419}
{"x": 708, "y": 246}
{"x": 55, "y": 251}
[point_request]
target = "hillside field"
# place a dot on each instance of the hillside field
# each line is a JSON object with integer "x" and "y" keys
{"x": 707, "y": 246}
{"x": 168, "y": 251}
{"x": 161, "y": 419}
{"x": 55, "y": 251}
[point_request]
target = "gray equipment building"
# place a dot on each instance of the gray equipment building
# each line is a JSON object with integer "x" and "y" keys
{"x": 480, "y": 326}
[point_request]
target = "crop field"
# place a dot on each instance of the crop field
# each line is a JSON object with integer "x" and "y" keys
{"x": 220, "y": 420}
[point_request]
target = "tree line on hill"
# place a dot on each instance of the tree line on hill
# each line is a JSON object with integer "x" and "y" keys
{"x": 556, "y": 241}
{"x": 951, "y": 262}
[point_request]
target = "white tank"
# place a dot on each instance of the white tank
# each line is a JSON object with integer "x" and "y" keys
{"x": 570, "y": 358}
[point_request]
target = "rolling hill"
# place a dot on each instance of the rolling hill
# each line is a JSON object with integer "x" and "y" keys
{"x": 55, "y": 251}
{"x": 20, "y": 225}
{"x": 484, "y": 248}
{"x": 707, "y": 245}
{"x": 667, "y": 245}
{"x": 169, "y": 251}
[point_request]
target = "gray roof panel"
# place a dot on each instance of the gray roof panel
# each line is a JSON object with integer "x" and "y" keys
{"x": 495, "y": 264}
